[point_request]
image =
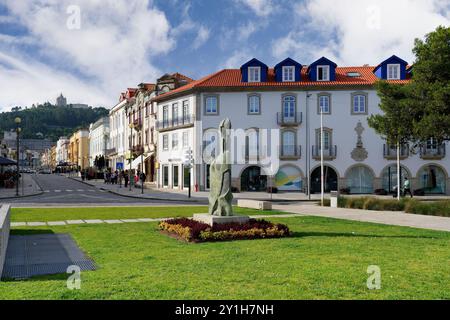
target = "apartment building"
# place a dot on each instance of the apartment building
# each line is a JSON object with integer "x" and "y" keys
{"x": 98, "y": 139}
{"x": 285, "y": 103}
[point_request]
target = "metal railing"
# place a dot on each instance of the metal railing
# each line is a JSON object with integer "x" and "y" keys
{"x": 328, "y": 154}
{"x": 390, "y": 152}
{"x": 290, "y": 151}
{"x": 174, "y": 123}
{"x": 291, "y": 120}
{"x": 435, "y": 152}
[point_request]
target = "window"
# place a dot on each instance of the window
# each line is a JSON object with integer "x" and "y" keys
{"x": 288, "y": 143}
{"x": 327, "y": 137}
{"x": 174, "y": 140}
{"x": 288, "y": 73}
{"x": 175, "y": 114}
{"x": 359, "y": 104}
{"x": 185, "y": 112}
{"x": 211, "y": 105}
{"x": 186, "y": 139}
{"x": 165, "y": 116}
{"x": 324, "y": 104}
{"x": 393, "y": 71}
{"x": 165, "y": 176}
{"x": 432, "y": 144}
{"x": 165, "y": 142}
{"x": 254, "y": 74}
{"x": 323, "y": 73}
{"x": 289, "y": 108}
{"x": 175, "y": 175}
{"x": 254, "y": 102}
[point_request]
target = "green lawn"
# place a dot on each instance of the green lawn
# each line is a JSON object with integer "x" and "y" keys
{"x": 56, "y": 214}
{"x": 325, "y": 259}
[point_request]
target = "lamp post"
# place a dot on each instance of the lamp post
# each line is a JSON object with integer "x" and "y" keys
{"x": 17, "y": 121}
{"x": 322, "y": 187}
{"x": 131, "y": 152}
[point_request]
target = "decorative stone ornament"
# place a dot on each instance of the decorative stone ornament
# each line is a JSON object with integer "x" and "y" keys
{"x": 359, "y": 153}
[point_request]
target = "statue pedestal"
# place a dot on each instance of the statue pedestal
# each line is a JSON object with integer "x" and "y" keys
{"x": 209, "y": 219}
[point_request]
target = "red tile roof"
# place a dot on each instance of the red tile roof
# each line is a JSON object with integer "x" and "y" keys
{"x": 231, "y": 78}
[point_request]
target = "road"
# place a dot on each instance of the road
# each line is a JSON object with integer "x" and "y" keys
{"x": 61, "y": 191}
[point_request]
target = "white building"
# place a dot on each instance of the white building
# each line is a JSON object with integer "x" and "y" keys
{"x": 98, "y": 139}
{"x": 62, "y": 150}
{"x": 287, "y": 100}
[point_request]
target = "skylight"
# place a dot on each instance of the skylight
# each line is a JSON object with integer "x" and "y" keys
{"x": 353, "y": 74}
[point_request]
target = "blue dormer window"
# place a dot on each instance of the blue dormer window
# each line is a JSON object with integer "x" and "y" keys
{"x": 254, "y": 71}
{"x": 393, "y": 71}
{"x": 254, "y": 74}
{"x": 323, "y": 73}
{"x": 392, "y": 68}
{"x": 322, "y": 70}
{"x": 288, "y": 73}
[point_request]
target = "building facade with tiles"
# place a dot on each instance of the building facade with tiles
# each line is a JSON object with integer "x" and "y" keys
{"x": 285, "y": 103}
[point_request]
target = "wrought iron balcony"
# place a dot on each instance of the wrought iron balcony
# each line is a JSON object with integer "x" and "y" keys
{"x": 292, "y": 120}
{"x": 175, "y": 123}
{"x": 390, "y": 152}
{"x": 290, "y": 152}
{"x": 328, "y": 154}
{"x": 435, "y": 152}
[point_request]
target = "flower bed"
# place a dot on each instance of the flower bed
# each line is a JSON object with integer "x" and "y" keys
{"x": 194, "y": 231}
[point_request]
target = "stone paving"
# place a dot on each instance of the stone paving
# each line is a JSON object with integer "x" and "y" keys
{"x": 27, "y": 188}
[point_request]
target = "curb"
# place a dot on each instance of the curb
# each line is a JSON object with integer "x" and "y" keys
{"x": 135, "y": 197}
{"x": 41, "y": 192}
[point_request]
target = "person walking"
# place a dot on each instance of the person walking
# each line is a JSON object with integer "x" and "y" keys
{"x": 407, "y": 187}
{"x": 126, "y": 178}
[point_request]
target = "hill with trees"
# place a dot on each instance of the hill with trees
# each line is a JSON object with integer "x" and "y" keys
{"x": 50, "y": 121}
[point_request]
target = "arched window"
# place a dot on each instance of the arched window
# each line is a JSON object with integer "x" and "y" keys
{"x": 360, "y": 180}
{"x": 288, "y": 141}
{"x": 289, "y": 108}
{"x": 254, "y": 104}
{"x": 432, "y": 180}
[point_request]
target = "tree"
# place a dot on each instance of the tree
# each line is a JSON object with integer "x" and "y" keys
{"x": 429, "y": 90}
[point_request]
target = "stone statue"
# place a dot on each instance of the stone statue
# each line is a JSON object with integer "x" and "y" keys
{"x": 359, "y": 153}
{"x": 220, "y": 195}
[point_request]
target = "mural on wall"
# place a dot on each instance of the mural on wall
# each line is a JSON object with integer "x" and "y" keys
{"x": 288, "y": 179}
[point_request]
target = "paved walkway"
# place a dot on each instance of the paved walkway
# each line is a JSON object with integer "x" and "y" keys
{"x": 29, "y": 187}
{"x": 395, "y": 218}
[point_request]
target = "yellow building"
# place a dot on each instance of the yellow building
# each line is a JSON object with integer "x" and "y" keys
{"x": 79, "y": 149}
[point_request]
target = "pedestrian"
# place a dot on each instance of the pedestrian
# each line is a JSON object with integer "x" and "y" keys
{"x": 407, "y": 187}
{"x": 143, "y": 177}
{"x": 126, "y": 178}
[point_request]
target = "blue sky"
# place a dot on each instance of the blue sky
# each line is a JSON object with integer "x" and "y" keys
{"x": 91, "y": 50}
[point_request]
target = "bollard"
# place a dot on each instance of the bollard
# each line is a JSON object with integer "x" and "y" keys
{"x": 334, "y": 199}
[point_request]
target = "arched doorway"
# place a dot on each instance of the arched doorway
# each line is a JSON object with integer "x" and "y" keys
{"x": 252, "y": 180}
{"x": 432, "y": 180}
{"x": 360, "y": 180}
{"x": 330, "y": 178}
{"x": 389, "y": 176}
{"x": 289, "y": 178}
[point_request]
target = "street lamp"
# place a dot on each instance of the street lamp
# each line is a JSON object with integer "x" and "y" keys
{"x": 17, "y": 121}
{"x": 131, "y": 153}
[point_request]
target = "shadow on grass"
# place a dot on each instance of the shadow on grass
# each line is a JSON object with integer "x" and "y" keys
{"x": 353, "y": 235}
{"x": 28, "y": 232}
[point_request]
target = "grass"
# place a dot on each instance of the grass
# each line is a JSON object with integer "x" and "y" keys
{"x": 434, "y": 208}
{"x": 325, "y": 259}
{"x": 57, "y": 214}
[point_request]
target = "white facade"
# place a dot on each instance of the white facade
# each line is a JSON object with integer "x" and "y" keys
{"x": 361, "y": 174}
{"x": 62, "y": 150}
{"x": 118, "y": 135}
{"x": 98, "y": 139}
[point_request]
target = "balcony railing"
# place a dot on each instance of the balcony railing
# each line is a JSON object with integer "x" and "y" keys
{"x": 390, "y": 152}
{"x": 174, "y": 123}
{"x": 137, "y": 150}
{"x": 292, "y": 120}
{"x": 328, "y": 154}
{"x": 290, "y": 152}
{"x": 432, "y": 153}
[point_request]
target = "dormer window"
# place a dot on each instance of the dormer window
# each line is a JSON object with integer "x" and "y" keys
{"x": 393, "y": 71}
{"x": 323, "y": 73}
{"x": 254, "y": 74}
{"x": 288, "y": 74}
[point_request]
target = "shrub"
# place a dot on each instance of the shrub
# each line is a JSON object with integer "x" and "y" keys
{"x": 344, "y": 190}
{"x": 372, "y": 204}
{"x": 380, "y": 192}
{"x": 191, "y": 230}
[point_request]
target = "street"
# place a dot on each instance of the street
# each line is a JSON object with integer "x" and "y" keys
{"x": 62, "y": 191}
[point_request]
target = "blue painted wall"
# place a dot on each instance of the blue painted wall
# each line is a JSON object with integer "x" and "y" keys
{"x": 287, "y": 63}
{"x": 254, "y": 63}
{"x": 312, "y": 69}
{"x": 381, "y": 70}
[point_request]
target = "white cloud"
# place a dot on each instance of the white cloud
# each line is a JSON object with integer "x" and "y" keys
{"x": 359, "y": 32}
{"x": 113, "y": 49}
{"x": 262, "y": 8}
{"x": 238, "y": 58}
{"x": 202, "y": 36}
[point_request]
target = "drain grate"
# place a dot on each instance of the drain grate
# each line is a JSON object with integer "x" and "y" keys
{"x": 44, "y": 254}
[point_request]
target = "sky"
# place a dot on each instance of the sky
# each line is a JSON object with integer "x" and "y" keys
{"x": 91, "y": 50}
